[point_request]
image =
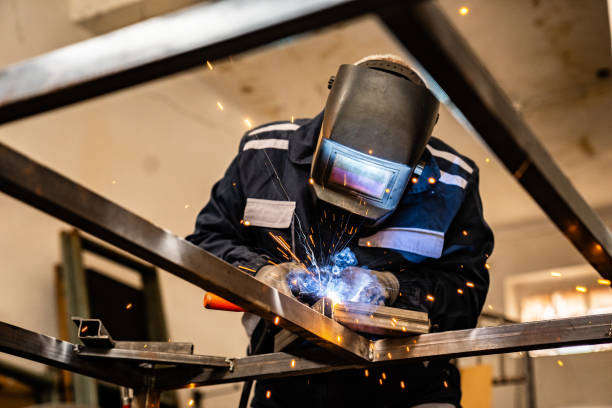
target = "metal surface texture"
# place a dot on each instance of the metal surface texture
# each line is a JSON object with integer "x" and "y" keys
{"x": 162, "y": 46}
{"x": 58, "y": 196}
{"x": 144, "y": 355}
{"x": 61, "y": 354}
{"x": 478, "y": 101}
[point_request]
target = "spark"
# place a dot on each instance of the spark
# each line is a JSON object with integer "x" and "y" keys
{"x": 384, "y": 376}
{"x": 247, "y": 269}
{"x": 603, "y": 282}
{"x": 114, "y": 182}
{"x": 460, "y": 291}
{"x": 380, "y": 381}
{"x": 490, "y": 307}
{"x": 387, "y": 190}
{"x": 487, "y": 266}
{"x": 292, "y": 119}
{"x": 368, "y": 243}
{"x": 469, "y": 284}
{"x": 219, "y": 105}
{"x": 597, "y": 248}
{"x": 431, "y": 180}
{"x": 209, "y": 65}
{"x": 272, "y": 263}
{"x": 276, "y": 320}
{"x": 367, "y": 373}
{"x": 311, "y": 180}
{"x": 402, "y": 384}
{"x": 128, "y": 306}
{"x": 247, "y": 223}
{"x": 84, "y": 329}
{"x": 389, "y": 355}
{"x": 186, "y": 205}
{"x": 555, "y": 274}
{"x": 248, "y": 123}
{"x": 192, "y": 385}
{"x": 414, "y": 180}
{"x": 292, "y": 363}
{"x": 311, "y": 239}
{"x": 145, "y": 346}
{"x": 404, "y": 328}
{"x": 581, "y": 289}
{"x": 370, "y": 151}
{"x": 560, "y": 363}
{"x": 191, "y": 402}
{"x": 464, "y": 233}
{"x": 430, "y": 298}
{"x": 407, "y": 349}
{"x": 268, "y": 394}
{"x": 464, "y": 11}
{"x": 339, "y": 338}
{"x": 445, "y": 384}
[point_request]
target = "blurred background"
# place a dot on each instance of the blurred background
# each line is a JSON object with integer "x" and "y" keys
{"x": 158, "y": 148}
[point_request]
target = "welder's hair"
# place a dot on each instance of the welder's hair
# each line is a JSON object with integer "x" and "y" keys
{"x": 377, "y": 61}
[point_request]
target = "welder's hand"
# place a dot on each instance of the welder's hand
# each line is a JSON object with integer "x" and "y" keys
{"x": 370, "y": 286}
{"x": 276, "y": 276}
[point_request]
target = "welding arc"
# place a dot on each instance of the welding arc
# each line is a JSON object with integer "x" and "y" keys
{"x": 214, "y": 302}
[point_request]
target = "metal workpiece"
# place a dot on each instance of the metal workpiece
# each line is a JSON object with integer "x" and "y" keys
{"x": 62, "y": 354}
{"x": 93, "y": 333}
{"x": 546, "y": 334}
{"x": 463, "y": 83}
{"x": 59, "y": 196}
{"x": 162, "y": 46}
{"x": 148, "y": 356}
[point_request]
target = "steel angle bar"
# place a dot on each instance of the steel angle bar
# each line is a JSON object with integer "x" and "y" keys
{"x": 61, "y": 354}
{"x": 56, "y": 195}
{"x": 154, "y": 357}
{"x": 162, "y": 46}
{"x": 593, "y": 329}
{"x": 462, "y": 343}
{"x": 479, "y": 102}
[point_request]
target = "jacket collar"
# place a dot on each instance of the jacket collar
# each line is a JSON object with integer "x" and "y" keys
{"x": 303, "y": 141}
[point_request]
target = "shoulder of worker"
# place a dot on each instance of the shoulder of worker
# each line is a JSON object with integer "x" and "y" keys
{"x": 450, "y": 162}
{"x": 273, "y": 135}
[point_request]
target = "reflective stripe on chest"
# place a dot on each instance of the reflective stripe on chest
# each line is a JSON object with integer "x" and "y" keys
{"x": 418, "y": 241}
{"x": 268, "y": 213}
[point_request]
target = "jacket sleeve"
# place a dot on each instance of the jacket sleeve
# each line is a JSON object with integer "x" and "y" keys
{"x": 218, "y": 227}
{"x": 459, "y": 280}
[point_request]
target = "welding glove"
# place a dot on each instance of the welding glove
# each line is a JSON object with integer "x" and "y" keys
{"x": 374, "y": 287}
{"x": 276, "y": 276}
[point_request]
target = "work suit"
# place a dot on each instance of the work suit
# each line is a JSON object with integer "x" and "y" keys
{"x": 436, "y": 243}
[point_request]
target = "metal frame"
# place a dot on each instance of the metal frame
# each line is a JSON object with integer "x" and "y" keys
{"x": 34, "y": 86}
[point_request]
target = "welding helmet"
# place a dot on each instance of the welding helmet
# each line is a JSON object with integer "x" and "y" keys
{"x": 377, "y": 121}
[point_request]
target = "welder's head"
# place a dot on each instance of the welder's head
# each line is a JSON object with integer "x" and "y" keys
{"x": 377, "y": 121}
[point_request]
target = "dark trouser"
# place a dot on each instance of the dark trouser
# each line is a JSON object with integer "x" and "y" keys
{"x": 436, "y": 383}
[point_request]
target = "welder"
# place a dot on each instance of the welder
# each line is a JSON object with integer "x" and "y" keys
{"x": 365, "y": 174}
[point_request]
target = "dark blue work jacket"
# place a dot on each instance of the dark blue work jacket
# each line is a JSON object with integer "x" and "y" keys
{"x": 436, "y": 243}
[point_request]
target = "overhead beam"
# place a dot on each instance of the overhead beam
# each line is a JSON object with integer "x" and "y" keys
{"x": 162, "y": 46}
{"x": 59, "y": 196}
{"x": 478, "y": 101}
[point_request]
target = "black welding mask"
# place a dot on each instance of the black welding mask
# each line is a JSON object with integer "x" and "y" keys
{"x": 377, "y": 121}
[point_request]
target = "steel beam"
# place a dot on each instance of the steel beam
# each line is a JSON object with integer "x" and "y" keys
{"x": 461, "y": 343}
{"x": 56, "y": 195}
{"x": 61, "y": 354}
{"x": 162, "y": 46}
{"x": 477, "y": 100}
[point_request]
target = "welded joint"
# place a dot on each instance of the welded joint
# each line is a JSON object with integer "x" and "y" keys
{"x": 230, "y": 362}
